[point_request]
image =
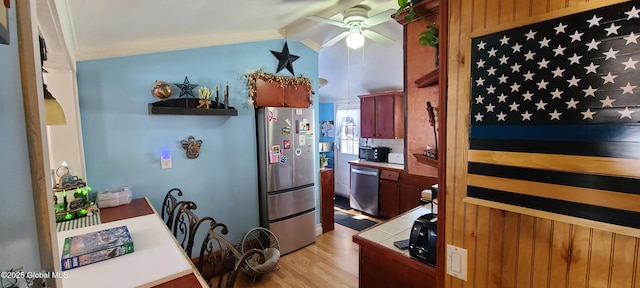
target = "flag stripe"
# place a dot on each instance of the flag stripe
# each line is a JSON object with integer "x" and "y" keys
{"x": 559, "y": 192}
{"x": 611, "y": 183}
{"x": 590, "y": 133}
{"x": 568, "y": 163}
{"x": 601, "y": 149}
{"x": 591, "y": 212}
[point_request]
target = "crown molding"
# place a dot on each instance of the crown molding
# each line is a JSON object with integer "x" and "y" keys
{"x": 170, "y": 44}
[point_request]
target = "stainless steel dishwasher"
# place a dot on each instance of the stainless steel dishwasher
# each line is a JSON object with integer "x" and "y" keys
{"x": 364, "y": 189}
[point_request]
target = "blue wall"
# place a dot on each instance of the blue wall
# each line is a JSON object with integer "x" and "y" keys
{"x": 326, "y": 113}
{"x": 123, "y": 144}
{"x": 18, "y": 237}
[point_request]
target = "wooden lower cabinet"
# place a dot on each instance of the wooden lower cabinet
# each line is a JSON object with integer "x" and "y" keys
{"x": 326, "y": 205}
{"x": 400, "y": 192}
{"x": 383, "y": 267}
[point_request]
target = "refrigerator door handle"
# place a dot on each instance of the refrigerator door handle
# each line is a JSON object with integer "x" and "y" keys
{"x": 364, "y": 172}
{"x": 297, "y": 126}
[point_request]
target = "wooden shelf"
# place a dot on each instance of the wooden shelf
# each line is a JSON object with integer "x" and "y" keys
{"x": 428, "y": 79}
{"x": 426, "y": 160}
{"x": 188, "y": 107}
{"x": 423, "y": 9}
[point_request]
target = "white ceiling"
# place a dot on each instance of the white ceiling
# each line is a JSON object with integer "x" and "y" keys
{"x": 110, "y": 28}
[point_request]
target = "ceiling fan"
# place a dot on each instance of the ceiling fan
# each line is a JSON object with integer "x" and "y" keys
{"x": 357, "y": 21}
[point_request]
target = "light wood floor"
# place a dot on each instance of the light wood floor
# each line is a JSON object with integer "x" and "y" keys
{"x": 330, "y": 262}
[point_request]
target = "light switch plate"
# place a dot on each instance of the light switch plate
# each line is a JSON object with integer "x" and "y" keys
{"x": 165, "y": 161}
{"x": 457, "y": 262}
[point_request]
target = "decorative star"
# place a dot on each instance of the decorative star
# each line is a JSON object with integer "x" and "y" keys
{"x": 490, "y": 107}
{"x": 502, "y": 98}
{"x": 480, "y": 63}
{"x": 529, "y": 55}
{"x": 577, "y": 36}
{"x": 515, "y": 87}
{"x": 613, "y": 29}
{"x": 285, "y": 59}
{"x": 492, "y": 52}
{"x": 611, "y": 54}
{"x": 609, "y": 78}
{"x": 630, "y": 64}
{"x": 492, "y": 71}
{"x": 559, "y": 50}
{"x": 530, "y": 35}
{"x": 541, "y": 105}
{"x": 607, "y": 102}
{"x": 543, "y": 63}
{"x": 480, "y": 81}
{"x": 503, "y": 78}
{"x": 528, "y": 75}
{"x": 515, "y": 67}
{"x": 186, "y": 88}
{"x": 633, "y": 13}
{"x": 491, "y": 89}
{"x": 478, "y": 117}
{"x": 250, "y": 102}
{"x": 593, "y": 45}
{"x": 628, "y": 89}
{"x": 481, "y": 45}
{"x": 573, "y": 81}
{"x": 555, "y": 114}
{"x": 558, "y": 72}
{"x": 590, "y": 91}
{"x": 587, "y": 114}
{"x": 556, "y": 94}
{"x": 544, "y": 42}
{"x": 516, "y": 48}
{"x": 527, "y": 96}
{"x": 591, "y": 68}
{"x": 514, "y": 106}
{"x": 572, "y": 104}
{"x": 479, "y": 99}
{"x": 626, "y": 113}
{"x": 632, "y": 38}
{"x": 504, "y": 40}
{"x": 542, "y": 84}
{"x": 575, "y": 59}
{"x": 501, "y": 116}
{"x": 560, "y": 28}
{"x": 504, "y": 59}
{"x": 526, "y": 116}
{"x": 595, "y": 21}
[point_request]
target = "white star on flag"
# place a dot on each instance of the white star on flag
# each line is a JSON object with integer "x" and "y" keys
{"x": 593, "y": 45}
{"x": 588, "y": 114}
{"x": 632, "y": 38}
{"x": 572, "y": 104}
{"x": 526, "y": 116}
{"x": 628, "y": 89}
{"x": 613, "y": 29}
{"x": 560, "y": 28}
{"x": 590, "y": 91}
{"x": 607, "y": 102}
{"x": 611, "y": 54}
{"x": 501, "y": 116}
{"x": 478, "y": 117}
{"x": 609, "y": 78}
{"x": 481, "y": 45}
{"x": 555, "y": 115}
{"x": 576, "y": 36}
{"x": 626, "y": 113}
{"x": 531, "y": 35}
{"x": 595, "y": 21}
{"x": 633, "y": 13}
{"x": 558, "y": 72}
{"x": 630, "y": 64}
{"x": 504, "y": 40}
{"x": 591, "y": 68}
{"x": 544, "y": 42}
{"x": 556, "y": 94}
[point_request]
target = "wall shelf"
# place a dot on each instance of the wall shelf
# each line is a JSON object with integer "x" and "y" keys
{"x": 428, "y": 79}
{"x": 188, "y": 107}
{"x": 426, "y": 160}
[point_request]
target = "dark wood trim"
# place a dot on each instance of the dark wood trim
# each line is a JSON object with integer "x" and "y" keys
{"x": 423, "y": 9}
{"x": 443, "y": 19}
{"x": 185, "y": 281}
{"x": 426, "y": 160}
{"x": 430, "y": 78}
{"x": 32, "y": 93}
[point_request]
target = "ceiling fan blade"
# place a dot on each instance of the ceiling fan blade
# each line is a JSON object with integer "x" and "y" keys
{"x": 327, "y": 21}
{"x": 379, "y": 18}
{"x": 336, "y": 39}
{"x": 375, "y": 36}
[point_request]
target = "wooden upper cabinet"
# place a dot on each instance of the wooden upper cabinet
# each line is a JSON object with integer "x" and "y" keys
{"x": 272, "y": 94}
{"x": 382, "y": 115}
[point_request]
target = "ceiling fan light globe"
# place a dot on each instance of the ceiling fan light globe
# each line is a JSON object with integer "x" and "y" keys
{"x": 355, "y": 40}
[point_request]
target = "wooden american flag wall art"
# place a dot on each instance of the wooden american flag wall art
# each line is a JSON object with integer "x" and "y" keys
{"x": 555, "y": 116}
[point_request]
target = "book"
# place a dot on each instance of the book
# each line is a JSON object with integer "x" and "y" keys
{"x": 96, "y": 246}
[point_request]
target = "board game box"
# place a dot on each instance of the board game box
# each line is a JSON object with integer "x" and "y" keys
{"x": 96, "y": 246}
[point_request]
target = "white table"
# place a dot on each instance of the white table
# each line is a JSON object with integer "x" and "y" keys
{"x": 156, "y": 258}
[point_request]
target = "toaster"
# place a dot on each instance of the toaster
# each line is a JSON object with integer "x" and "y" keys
{"x": 422, "y": 241}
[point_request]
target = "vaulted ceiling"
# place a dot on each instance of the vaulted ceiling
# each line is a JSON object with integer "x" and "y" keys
{"x": 109, "y": 28}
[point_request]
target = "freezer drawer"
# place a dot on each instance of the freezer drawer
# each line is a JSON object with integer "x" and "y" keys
{"x": 295, "y": 233}
{"x": 291, "y": 202}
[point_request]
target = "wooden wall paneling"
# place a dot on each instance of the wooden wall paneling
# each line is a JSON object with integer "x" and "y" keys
{"x": 510, "y": 249}
{"x": 492, "y": 16}
{"x": 576, "y": 274}
{"x": 522, "y": 9}
{"x": 557, "y": 4}
{"x": 482, "y": 245}
{"x": 600, "y": 252}
{"x": 542, "y": 243}
{"x": 478, "y": 19}
{"x": 496, "y": 232}
{"x": 526, "y": 235}
{"x": 540, "y": 6}
{"x": 470, "y": 239}
{"x": 636, "y": 266}
{"x": 623, "y": 260}
{"x": 507, "y": 12}
{"x": 561, "y": 250}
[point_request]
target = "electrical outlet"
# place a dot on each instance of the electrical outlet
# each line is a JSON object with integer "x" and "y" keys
{"x": 165, "y": 161}
{"x": 457, "y": 262}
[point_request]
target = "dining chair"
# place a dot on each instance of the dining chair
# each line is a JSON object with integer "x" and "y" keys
{"x": 185, "y": 225}
{"x": 169, "y": 206}
{"x": 220, "y": 259}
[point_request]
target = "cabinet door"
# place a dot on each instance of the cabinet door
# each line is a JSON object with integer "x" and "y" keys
{"x": 409, "y": 197}
{"x": 385, "y": 124}
{"x": 268, "y": 94}
{"x": 367, "y": 117}
{"x": 389, "y": 198}
{"x": 296, "y": 97}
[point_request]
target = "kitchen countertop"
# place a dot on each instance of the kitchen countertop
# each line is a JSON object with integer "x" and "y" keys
{"x": 398, "y": 228}
{"x": 383, "y": 165}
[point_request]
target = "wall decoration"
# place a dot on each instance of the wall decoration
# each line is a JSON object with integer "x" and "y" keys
{"x": 161, "y": 90}
{"x": 555, "y": 113}
{"x": 204, "y": 93}
{"x": 285, "y": 60}
{"x": 192, "y": 147}
{"x": 4, "y": 23}
{"x": 186, "y": 88}
{"x": 328, "y": 129}
{"x": 300, "y": 82}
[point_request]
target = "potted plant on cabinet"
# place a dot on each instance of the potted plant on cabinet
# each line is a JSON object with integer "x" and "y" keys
{"x": 323, "y": 160}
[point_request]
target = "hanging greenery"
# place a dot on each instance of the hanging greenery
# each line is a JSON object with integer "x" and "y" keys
{"x": 283, "y": 81}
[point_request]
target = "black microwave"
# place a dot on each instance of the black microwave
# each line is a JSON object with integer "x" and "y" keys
{"x": 375, "y": 154}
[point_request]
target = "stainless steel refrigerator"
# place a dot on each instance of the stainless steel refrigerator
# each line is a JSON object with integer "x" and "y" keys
{"x": 286, "y": 151}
